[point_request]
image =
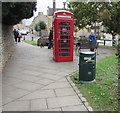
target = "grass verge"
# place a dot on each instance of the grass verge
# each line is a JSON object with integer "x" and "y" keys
{"x": 102, "y": 94}
{"x": 30, "y": 42}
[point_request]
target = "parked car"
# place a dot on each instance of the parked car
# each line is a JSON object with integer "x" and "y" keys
{"x": 28, "y": 31}
{"x": 23, "y": 32}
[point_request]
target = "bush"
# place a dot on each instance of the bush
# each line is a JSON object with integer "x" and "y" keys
{"x": 42, "y": 25}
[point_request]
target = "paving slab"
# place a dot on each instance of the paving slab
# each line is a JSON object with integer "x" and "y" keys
{"x": 63, "y": 101}
{"x": 39, "y": 94}
{"x": 31, "y": 72}
{"x": 50, "y": 76}
{"x": 28, "y": 78}
{"x": 29, "y": 86}
{"x": 11, "y": 74}
{"x": 15, "y": 94}
{"x": 57, "y": 85}
{"x": 38, "y": 104}
{"x": 64, "y": 92}
{"x": 17, "y": 106}
{"x": 7, "y": 88}
{"x": 10, "y": 80}
{"x": 75, "y": 108}
{"x": 44, "y": 81}
{"x": 58, "y": 110}
{"x": 48, "y": 71}
{"x": 6, "y": 100}
{"x": 63, "y": 79}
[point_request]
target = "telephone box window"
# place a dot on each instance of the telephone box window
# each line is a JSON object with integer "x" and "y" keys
{"x": 64, "y": 28}
{"x": 64, "y": 23}
{"x": 64, "y": 32}
{"x": 64, "y": 43}
{"x": 65, "y": 37}
{"x": 64, "y": 50}
{"x": 64, "y": 54}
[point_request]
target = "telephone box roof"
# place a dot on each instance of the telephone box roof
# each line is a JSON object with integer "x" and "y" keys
{"x": 62, "y": 11}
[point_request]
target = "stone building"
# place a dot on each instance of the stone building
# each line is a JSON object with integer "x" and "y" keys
{"x": 50, "y": 11}
{"x": 50, "y": 16}
{"x": 46, "y": 18}
{"x": 40, "y": 17}
{"x": 21, "y": 26}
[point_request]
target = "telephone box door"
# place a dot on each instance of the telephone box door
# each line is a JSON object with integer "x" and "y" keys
{"x": 63, "y": 40}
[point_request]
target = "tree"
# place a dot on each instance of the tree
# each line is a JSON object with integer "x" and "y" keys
{"x": 89, "y": 13}
{"x": 84, "y": 13}
{"x": 14, "y": 12}
{"x": 42, "y": 25}
{"x": 111, "y": 18}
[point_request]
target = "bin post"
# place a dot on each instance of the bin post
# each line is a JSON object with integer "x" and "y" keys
{"x": 104, "y": 42}
{"x": 32, "y": 39}
{"x": 87, "y": 67}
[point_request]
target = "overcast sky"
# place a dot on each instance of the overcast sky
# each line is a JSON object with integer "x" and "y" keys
{"x": 42, "y": 7}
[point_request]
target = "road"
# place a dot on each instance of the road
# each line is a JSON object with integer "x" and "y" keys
{"x": 29, "y": 37}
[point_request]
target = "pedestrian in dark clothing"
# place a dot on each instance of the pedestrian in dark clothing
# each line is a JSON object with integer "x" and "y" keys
{"x": 92, "y": 41}
{"x": 16, "y": 35}
{"x": 50, "y": 39}
{"x": 18, "y": 38}
{"x": 32, "y": 31}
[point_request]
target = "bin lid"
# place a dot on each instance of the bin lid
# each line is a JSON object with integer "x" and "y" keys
{"x": 87, "y": 53}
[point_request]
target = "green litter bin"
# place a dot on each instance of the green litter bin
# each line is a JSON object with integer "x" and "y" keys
{"x": 87, "y": 67}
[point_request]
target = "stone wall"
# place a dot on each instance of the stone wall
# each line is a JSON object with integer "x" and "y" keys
{"x": 6, "y": 45}
{"x": 0, "y": 48}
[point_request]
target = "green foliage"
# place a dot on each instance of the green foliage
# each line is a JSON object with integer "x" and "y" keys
{"x": 14, "y": 12}
{"x": 42, "y": 25}
{"x": 111, "y": 17}
{"x": 102, "y": 94}
{"x": 91, "y": 12}
{"x": 84, "y": 13}
{"x": 36, "y": 27}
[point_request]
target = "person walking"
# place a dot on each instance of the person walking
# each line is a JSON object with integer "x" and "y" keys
{"x": 50, "y": 39}
{"x": 19, "y": 36}
{"x": 16, "y": 35}
{"x": 92, "y": 41}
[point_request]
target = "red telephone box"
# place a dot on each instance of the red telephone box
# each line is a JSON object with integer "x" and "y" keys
{"x": 63, "y": 27}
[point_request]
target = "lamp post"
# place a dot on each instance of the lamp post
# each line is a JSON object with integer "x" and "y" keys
{"x": 64, "y": 3}
{"x": 54, "y": 6}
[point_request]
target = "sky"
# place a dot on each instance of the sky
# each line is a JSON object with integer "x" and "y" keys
{"x": 42, "y": 7}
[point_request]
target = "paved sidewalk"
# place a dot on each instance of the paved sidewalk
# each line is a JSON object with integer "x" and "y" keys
{"x": 33, "y": 81}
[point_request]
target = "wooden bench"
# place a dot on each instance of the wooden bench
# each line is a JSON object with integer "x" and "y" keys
{"x": 84, "y": 44}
